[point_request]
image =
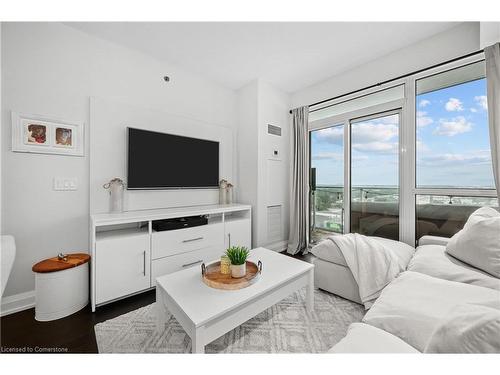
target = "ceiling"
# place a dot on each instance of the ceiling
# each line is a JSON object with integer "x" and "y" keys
{"x": 290, "y": 56}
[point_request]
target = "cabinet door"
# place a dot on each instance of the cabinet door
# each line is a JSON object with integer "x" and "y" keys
{"x": 237, "y": 233}
{"x": 122, "y": 266}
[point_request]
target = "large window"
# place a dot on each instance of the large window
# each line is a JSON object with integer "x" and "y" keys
{"x": 386, "y": 169}
{"x": 453, "y": 157}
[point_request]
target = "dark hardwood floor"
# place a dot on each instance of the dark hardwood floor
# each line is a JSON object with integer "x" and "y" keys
{"x": 73, "y": 334}
{"x": 20, "y": 332}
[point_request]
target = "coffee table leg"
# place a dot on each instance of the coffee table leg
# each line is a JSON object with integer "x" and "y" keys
{"x": 160, "y": 310}
{"x": 310, "y": 291}
{"x": 197, "y": 342}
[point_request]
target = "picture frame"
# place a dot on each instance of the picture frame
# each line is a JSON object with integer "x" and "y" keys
{"x": 45, "y": 135}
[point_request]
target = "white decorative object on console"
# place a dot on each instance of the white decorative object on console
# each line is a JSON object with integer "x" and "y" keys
{"x": 128, "y": 255}
{"x": 116, "y": 187}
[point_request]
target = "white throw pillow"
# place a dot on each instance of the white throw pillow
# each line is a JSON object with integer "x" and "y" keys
{"x": 469, "y": 328}
{"x": 478, "y": 243}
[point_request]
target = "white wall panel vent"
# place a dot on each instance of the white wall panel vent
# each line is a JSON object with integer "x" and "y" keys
{"x": 274, "y": 130}
{"x": 274, "y": 224}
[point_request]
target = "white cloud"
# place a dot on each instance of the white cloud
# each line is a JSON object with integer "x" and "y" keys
{"x": 337, "y": 156}
{"x": 454, "y": 104}
{"x": 377, "y": 135}
{"x": 378, "y": 147}
{"x": 481, "y": 101}
{"x": 373, "y": 131}
{"x": 421, "y": 146}
{"x": 473, "y": 110}
{"x": 424, "y": 103}
{"x": 333, "y": 135}
{"x": 450, "y": 128}
{"x": 472, "y": 158}
{"x": 423, "y": 119}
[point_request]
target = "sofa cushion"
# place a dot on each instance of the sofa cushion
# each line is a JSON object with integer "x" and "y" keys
{"x": 478, "y": 243}
{"x": 469, "y": 328}
{"x": 433, "y": 260}
{"x": 363, "y": 338}
{"x": 412, "y": 306}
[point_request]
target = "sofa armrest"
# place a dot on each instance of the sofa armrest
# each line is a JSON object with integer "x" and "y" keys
{"x": 433, "y": 240}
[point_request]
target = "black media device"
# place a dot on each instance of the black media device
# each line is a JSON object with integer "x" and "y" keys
{"x": 167, "y": 161}
{"x": 179, "y": 223}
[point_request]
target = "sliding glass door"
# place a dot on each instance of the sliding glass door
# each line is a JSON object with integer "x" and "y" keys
{"x": 370, "y": 193}
{"x": 355, "y": 162}
{"x": 327, "y": 181}
{"x": 375, "y": 175}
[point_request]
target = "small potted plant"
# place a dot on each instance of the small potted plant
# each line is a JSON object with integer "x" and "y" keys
{"x": 238, "y": 257}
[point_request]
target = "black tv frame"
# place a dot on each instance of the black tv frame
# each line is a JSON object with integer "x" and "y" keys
{"x": 214, "y": 187}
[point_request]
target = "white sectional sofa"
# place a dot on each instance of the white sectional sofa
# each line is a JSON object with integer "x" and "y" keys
{"x": 411, "y": 307}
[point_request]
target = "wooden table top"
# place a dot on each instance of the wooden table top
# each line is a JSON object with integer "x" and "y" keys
{"x": 54, "y": 264}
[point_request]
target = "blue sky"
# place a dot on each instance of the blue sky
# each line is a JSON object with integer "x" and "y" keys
{"x": 452, "y": 132}
{"x": 452, "y": 143}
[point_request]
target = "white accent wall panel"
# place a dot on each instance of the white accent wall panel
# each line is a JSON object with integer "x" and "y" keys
{"x": 108, "y": 154}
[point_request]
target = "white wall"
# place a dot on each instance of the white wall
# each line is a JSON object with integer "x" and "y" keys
{"x": 53, "y": 69}
{"x": 455, "y": 42}
{"x": 489, "y": 33}
{"x": 247, "y": 145}
{"x": 264, "y": 178}
{"x": 275, "y": 181}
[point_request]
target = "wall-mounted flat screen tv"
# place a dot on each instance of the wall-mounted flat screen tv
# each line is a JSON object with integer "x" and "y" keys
{"x": 166, "y": 161}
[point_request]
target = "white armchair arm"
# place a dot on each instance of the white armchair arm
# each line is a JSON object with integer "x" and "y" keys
{"x": 433, "y": 240}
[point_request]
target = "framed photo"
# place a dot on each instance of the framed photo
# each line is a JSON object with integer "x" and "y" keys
{"x": 39, "y": 134}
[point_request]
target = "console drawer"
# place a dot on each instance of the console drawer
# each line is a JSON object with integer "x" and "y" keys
{"x": 164, "y": 266}
{"x": 179, "y": 241}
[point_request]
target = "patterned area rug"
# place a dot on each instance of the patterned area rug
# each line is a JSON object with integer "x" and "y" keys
{"x": 283, "y": 328}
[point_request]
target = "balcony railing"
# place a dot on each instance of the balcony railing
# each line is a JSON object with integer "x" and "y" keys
{"x": 375, "y": 211}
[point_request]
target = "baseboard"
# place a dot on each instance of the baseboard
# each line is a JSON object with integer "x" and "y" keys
{"x": 17, "y": 302}
{"x": 277, "y": 246}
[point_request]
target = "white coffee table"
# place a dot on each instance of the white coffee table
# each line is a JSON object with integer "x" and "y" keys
{"x": 206, "y": 313}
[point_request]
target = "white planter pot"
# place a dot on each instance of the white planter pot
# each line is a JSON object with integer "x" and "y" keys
{"x": 238, "y": 271}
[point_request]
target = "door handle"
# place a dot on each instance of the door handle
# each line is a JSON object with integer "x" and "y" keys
{"x": 192, "y": 263}
{"x": 193, "y": 239}
{"x": 144, "y": 262}
{"x": 229, "y": 239}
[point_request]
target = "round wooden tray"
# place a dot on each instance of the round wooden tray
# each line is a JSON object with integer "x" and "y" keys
{"x": 211, "y": 276}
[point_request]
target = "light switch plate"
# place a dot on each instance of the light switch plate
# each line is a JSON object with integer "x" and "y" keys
{"x": 65, "y": 183}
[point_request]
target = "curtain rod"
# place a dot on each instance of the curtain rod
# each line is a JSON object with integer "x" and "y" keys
{"x": 395, "y": 79}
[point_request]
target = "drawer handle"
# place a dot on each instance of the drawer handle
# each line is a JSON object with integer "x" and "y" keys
{"x": 193, "y": 239}
{"x": 192, "y": 263}
{"x": 144, "y": 262}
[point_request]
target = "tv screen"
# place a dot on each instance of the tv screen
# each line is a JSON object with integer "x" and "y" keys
{"x": 166, "y": 161}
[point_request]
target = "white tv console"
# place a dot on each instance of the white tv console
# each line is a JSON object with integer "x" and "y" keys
{"x": 127, "y": 255}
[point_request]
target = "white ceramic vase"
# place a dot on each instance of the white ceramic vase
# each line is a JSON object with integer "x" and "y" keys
{"x": 238, "y": 270}
{"x": 115, "y": 187}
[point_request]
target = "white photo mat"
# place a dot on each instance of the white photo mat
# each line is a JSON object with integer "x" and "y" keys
{"x": 43, "y": 135}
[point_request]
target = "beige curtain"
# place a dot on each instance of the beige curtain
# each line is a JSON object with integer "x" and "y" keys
{"x": 299, "y": 194}
{"x": 492, "y": 54}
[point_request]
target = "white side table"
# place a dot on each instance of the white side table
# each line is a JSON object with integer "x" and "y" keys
{"x": 62, "y": 286}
